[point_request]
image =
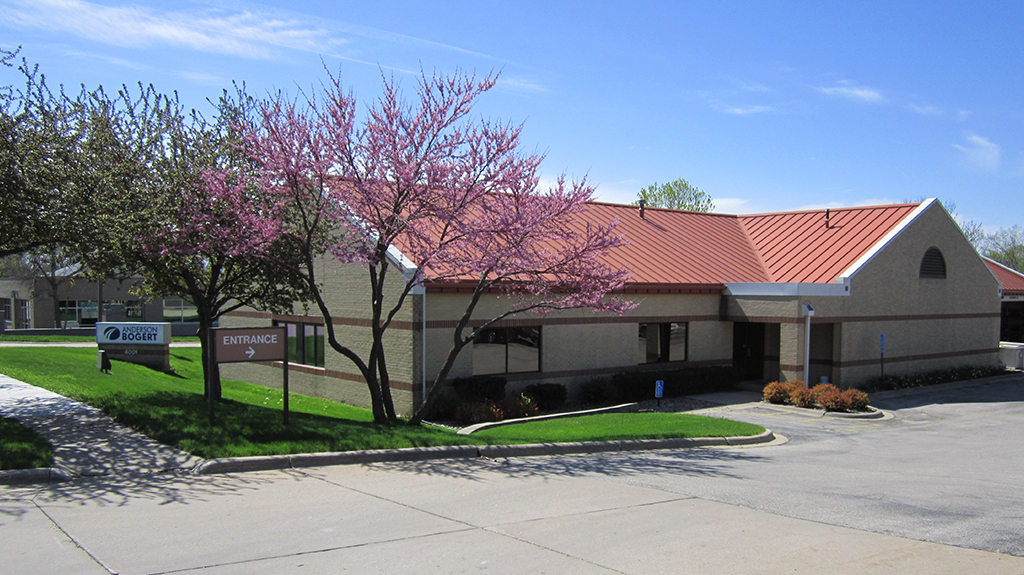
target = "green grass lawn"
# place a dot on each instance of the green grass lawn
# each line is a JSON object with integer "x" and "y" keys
{"x": 22, "y": 448}
{"x": 618, "y": 426}
{"x": 77, "y": 338}
{"x": 171, "y": 409}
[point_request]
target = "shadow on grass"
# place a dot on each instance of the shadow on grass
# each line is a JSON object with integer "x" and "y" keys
{"x": 181, "y": 420}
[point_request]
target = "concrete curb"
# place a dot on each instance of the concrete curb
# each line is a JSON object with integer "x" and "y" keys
{"x": 623, "y": 408}
{"x": 875, "y": 413}
{"x": 31, "y": 476}
{"x": 264, "y": 463}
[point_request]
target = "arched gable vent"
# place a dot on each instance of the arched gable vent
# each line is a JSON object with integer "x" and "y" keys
{"x": 933, "y": 265}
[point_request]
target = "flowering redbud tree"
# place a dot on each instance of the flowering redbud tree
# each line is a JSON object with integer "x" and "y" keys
{"x": 455, "y": 197}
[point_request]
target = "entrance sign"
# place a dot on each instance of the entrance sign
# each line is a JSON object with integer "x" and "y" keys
{"x": 238, "y": 344}
{"x": 250, "y": 344}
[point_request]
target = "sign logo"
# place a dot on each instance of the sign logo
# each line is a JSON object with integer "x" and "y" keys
{"x": 133, "y": 333}
{"x": 112, "y": 333}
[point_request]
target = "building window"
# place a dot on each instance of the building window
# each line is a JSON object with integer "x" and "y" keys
{"x": 77, "y": 313}
{"x": 180, "y": 310}
{"x": 306, "y": 342}
{"x": 506, "y": 350}
{"x": 933, "y": 265}
{"x": 661, "y": 342}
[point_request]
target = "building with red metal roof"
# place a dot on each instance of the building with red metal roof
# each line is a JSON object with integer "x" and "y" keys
{"x": 839, "y": 295}
{"x": 1011, "y": 292}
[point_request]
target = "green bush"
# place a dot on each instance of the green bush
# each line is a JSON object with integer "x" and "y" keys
{"x": 517, "y": 406}
{"x": 933, "y": 377}
{"x": 470, "y": 412}
{"x": 598, "y": 391}
{"x": 480, "y": 388}
{"x": 548, "y": 396}
{"x": 444, "y": 407}
{"x": 639, "y": 385}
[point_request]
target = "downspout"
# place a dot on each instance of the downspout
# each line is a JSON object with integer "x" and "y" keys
{"x": 808, "y": 312}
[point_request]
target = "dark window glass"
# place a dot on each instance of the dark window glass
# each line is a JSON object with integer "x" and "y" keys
{"x": 662, "y": 342}
{"x": 507, "y": 350}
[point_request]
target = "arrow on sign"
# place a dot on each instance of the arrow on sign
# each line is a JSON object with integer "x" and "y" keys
{"x": 250, "y": 352}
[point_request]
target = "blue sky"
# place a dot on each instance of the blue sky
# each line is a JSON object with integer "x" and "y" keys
{"x": 767, "y": 106}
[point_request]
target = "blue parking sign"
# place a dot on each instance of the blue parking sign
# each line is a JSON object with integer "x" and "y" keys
{"x": 659, "y": 389}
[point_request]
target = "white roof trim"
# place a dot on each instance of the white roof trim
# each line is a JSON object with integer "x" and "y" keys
{"x": 787, "y": 289}
{"x": 406, "y": 265}
{"x": 882, "y": 243}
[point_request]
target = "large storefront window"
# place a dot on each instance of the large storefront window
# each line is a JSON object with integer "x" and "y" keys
{"x": 506, "y": 350}
{"x": 662, "y": 342}
{"x": 305, "y": 343}
{"x": 78, "y": 313}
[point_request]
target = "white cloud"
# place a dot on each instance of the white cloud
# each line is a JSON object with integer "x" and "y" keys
{"x": 963, "y": 115}
{"x": 520, "y": 84}
{"x": 857, "y": 204}
{"x": 925, "y": 109}
{"x": 744, "y": 110}
{"x": 203, "y": 78}
{"x": 980, "y": 153}
{"x": 849, "y": 91}
{"x": 245, "y": 34}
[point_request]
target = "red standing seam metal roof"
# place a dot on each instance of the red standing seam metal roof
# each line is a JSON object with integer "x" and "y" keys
{"x": 676, "y": 247}
{"x": 1011, "y": 280}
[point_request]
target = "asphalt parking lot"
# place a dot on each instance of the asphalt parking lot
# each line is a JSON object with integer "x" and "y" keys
{"x": 933, "y": 489}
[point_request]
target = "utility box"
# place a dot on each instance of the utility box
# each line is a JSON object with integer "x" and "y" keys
{"x": 143, "y": 343}
{"x": 1011, "y": 354}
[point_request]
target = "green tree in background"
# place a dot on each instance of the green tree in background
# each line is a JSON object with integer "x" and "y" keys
{"x": 677, "y": 195}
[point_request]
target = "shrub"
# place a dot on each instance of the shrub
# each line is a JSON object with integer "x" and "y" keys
{"x": 834, "y": 400}
{"x": 857, "y": 399}
{"x": 597, "y": 391}
{"x": 471, "y": 412}
{"x": 803, "y": 397}
{"x": 517, "y": 406}
{"x": 444, "y": 407}
{"x": 480, "y": 388}
{"x": 549, "y": 396}
{"x": 780, "y": 391}
{"x": 639, "y": 385}
{"x": 818, "y": 390}
{"x": 933, "y": 377}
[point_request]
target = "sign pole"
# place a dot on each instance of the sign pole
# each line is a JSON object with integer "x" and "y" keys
{"x": 881, "y": 359}
{"x": 211, "y": 344}
{"x": 285, "y": 389}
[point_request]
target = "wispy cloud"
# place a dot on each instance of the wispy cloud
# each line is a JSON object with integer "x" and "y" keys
{"x": 729, "y": 205}
{"x": 925, "y": 109}
{"x": 980, "y": 153}
{"x": 856, "y": 204}
{"x": 520, "y": 84}
{"x": 963, "y": 115}
{"x": 744, "y": 110}
{"x": 245, "y": 34}
{"x": 849, "y": 91}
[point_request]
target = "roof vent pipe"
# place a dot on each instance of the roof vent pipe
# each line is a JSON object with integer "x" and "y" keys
{"x": 642, "y": 204}
{"x": 826, "y": 218}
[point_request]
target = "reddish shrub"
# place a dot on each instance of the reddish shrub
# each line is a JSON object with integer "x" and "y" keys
{"x": 802, "y": 397}
{"x": 857, "y": 399}
{"x": 779, "y": 391}
{"x": 833, "y": 400}
{"x": 820, "y": 389}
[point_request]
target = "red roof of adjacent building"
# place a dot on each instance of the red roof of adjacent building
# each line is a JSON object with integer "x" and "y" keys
{"x": 680, "y": 247}
{"x": 1011, "y": 280}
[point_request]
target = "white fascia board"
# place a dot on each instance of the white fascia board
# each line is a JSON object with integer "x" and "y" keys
{"x": 882, "y": 243}
{"x": 407, "y": 266}
{"x": 787, "y": 289}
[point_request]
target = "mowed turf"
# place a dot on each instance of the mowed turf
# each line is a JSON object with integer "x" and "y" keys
{"x": 618, "y": 426}
{"x": 171, "y": 409}
{"x": 22, "y": 448}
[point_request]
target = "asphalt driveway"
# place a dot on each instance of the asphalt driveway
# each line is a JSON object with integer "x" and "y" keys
{"x": 934, "y": 489}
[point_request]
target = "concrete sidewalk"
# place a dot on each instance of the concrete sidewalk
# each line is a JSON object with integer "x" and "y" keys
{"x": 85, "y": 441}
